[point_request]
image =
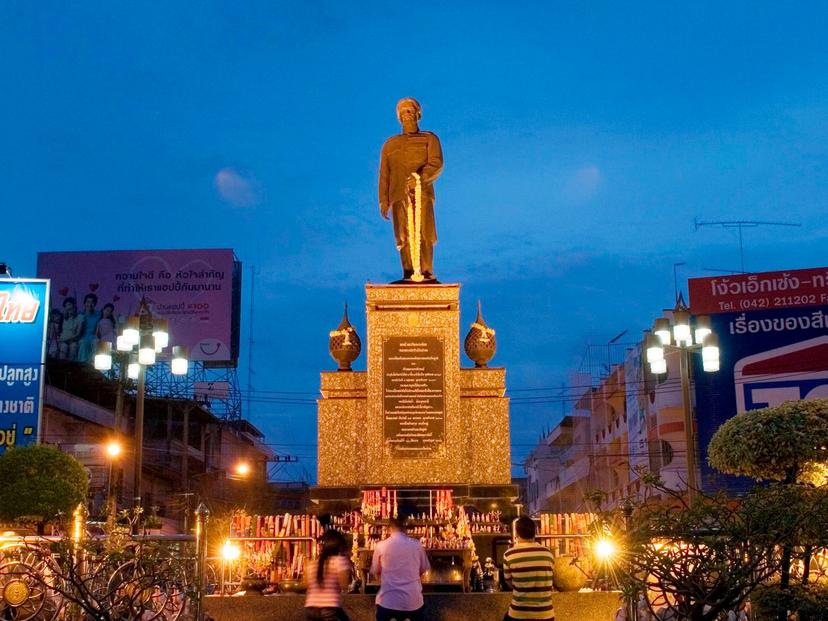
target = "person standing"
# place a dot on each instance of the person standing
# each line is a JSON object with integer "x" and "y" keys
{"x": 107, "y": 329}
{"x": 327, "y": 577}
{"x": 528, "y": 568}
{"x": 399, "y": 562}
{"x": 70, "y": 330}
{"x": 91, "y": 316}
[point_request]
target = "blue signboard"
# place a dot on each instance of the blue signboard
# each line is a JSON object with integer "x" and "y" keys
{"x": 767, "y": 357}
{"x": 23, "y": 315}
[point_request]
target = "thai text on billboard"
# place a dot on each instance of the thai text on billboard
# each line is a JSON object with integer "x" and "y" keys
{"x": 23, "y": 310}
{"x": 774, "y": 348}
{"x": 93, "y": 293}
{"x": 766, "y": 290}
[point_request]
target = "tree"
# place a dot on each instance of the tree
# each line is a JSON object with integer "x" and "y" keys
{"x": 787, "y": 443}
{"x": 701, "y": 560}
{"x": 40, "y": 482}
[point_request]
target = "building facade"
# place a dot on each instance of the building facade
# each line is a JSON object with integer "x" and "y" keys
{"x": 189, "y": 455}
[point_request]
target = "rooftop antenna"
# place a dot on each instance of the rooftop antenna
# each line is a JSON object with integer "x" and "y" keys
{"x": 723, "y": 271}
{"x": 610, "y": 343}
{"x": 616, "y": 337}
{"x": 741, "y": 225}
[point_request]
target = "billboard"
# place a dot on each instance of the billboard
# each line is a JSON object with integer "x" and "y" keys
{"x": 762, "y": 291}
{"x": 93, "y": 293}
{"x": 23, "y": 309}
{"x": 774, "y": 348}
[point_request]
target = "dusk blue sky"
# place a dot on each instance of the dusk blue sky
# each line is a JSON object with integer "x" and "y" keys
{"x": 581, "y": 140}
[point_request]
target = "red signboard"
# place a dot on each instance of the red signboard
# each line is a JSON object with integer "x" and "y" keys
{"x": 761, "y": 291}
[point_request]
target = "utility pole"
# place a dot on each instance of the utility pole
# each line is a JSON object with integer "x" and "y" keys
{"x": 740, "y": 225}
{"x": 250, "y": 343}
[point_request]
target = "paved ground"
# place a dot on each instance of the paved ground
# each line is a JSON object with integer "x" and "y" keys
{"x": 439, "y": 607}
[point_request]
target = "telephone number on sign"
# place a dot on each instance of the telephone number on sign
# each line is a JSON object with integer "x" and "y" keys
{"x": 795, "y": 300}
{"x": 783, "y": 300}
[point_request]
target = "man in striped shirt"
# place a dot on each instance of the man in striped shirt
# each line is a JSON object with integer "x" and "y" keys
{"x": 527, "y": 568}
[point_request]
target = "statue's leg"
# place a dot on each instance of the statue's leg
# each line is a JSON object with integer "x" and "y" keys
{"x": 405, "y": 260}
{"x": 428, "y": 238}
{"x": 427, "y": 258}
{"x": 400, "y": 218}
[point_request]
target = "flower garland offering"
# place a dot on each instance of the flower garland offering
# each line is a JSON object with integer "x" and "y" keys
{"x": 486, "y": 332}
{"x": 275, "y": 546}
{"x": 379, "y": 504}
{"x": 415, "y": 221}
{"x": 565, "y": 523}
{"x": 444, "y": 504}
{"x": 563, "y": 532}
{"x": 346, "y": 332}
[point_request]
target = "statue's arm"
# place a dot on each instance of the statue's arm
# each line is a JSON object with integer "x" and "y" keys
{"x": 434, "y": 164}
{"x": 383, "y": 182}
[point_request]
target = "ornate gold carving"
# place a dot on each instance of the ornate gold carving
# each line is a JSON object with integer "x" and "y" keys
{"x": 344, "y": 344}
{"x": 16, "y": 592}
{"x": 480, "y": 343}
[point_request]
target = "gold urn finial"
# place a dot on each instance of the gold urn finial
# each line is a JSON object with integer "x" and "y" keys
{"x": 480, "y": 343}
{"x": 344, "y": 344}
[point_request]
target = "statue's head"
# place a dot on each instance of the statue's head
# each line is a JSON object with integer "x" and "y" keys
{"x": 409, "y": 104}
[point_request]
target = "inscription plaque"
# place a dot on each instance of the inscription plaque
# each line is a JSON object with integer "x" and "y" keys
{"x": 413, "y": 395}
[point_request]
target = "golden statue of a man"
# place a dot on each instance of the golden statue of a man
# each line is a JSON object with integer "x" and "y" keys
{"x": 409, "y": 165}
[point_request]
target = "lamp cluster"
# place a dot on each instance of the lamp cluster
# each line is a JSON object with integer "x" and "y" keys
{"x": 681, "y": 335}
{"x": 149, "y": 341}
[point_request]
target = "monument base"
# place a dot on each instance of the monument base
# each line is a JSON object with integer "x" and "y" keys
{"x": 415, "y": 418}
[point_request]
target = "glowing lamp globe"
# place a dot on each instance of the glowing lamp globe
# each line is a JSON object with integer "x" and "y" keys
{"x": 179, "y": 364}
{"x": 103, "y": 356}
{"x": 146, "y": 353}
{"x": 161, "y": 332}
{"x": 132, "y": 331}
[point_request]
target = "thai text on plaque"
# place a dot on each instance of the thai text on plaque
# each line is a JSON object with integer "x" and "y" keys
{"x": 413, "y": 395}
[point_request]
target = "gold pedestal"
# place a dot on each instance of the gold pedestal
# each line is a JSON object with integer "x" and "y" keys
{"x": 414, "y": 417}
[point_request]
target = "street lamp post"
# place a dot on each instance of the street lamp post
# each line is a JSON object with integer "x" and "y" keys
{"x": 113, "y": 451}
{"x": 679, "y": 336}
{"x": 149, "y": 336}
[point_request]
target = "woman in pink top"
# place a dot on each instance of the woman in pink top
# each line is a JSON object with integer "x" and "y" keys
{"x": 327, "y": 577}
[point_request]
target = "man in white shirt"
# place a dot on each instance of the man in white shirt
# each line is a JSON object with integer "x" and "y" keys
{"x": 399, "y": 562}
